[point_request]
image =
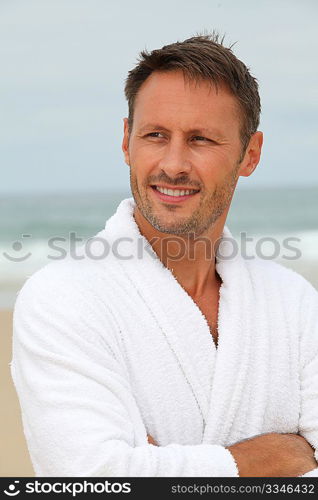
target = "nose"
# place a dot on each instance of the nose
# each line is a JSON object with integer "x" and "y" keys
{"x": 175, "y": 161}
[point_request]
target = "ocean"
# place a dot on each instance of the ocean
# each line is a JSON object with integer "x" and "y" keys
{"x": 282, "y": 224}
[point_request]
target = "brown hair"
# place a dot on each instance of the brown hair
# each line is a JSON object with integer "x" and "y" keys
{"x": 201, "y": 57}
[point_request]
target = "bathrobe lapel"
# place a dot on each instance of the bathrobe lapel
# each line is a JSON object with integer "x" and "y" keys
{"x": 216, "y": 376}
{"x": 175, "y": 315}
{"x": 234, "y": 346}
{"x": 180, "y": 322}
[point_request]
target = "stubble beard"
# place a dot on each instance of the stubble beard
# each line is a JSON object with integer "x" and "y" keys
{"x": 211, "y": 207}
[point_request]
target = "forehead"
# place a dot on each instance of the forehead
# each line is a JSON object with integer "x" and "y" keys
{"x": 170, "y": 97}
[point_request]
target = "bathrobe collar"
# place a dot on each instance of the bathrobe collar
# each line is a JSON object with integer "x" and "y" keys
{"x": 216, "y": 376}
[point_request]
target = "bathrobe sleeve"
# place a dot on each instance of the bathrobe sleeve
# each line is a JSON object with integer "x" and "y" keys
{"x": 308, "y": 421}
{"x": 79, "y": 414}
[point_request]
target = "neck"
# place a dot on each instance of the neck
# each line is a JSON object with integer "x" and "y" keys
{"x": 191, "y": 259}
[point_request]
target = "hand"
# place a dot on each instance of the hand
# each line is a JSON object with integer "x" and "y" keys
{"x": 151, "y": 440}
{"x": 273, "y": 455}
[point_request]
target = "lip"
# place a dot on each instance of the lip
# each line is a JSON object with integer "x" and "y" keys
{"x": 181, "y": 188}
{"x": 172, "y": 199}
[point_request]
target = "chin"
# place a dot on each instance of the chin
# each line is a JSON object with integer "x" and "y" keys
{"x": 181, "y": 229}
{"x": 161, "y": 226}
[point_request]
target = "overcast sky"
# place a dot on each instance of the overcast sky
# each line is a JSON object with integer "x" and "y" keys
{"x": 64, "y": 63}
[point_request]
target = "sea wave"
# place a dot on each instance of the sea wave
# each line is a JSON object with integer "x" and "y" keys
{"x": 296, "y": 250}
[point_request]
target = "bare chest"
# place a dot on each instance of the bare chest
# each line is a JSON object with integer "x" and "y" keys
{"x": 209, "y": 306}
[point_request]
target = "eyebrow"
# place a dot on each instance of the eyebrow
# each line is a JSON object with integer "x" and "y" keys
{"x": 197, "y": 131}
{"x": 151, "y": 126}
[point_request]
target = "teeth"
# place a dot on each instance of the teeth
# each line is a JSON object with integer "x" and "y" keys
{"x": 176, "y": 192}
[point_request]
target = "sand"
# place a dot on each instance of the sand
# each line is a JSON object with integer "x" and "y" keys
{"x": 14, "y": 457}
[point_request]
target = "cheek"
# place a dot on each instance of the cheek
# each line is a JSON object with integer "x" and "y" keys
{"x": 143, "y": 159}
{"x": 215, "y": 165}
{"x": 219, "y": 170}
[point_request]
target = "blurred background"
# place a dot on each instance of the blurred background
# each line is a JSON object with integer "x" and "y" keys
{"x": 64, "y": 64}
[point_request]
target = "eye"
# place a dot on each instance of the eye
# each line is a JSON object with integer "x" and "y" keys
{"x": 154, "y": 134}
{"x": 200, "y": 138}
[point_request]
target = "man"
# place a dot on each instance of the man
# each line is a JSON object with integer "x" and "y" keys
{"x": 168, "y": 354}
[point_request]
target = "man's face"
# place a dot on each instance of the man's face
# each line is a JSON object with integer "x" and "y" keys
{"x": 185, "y": 136}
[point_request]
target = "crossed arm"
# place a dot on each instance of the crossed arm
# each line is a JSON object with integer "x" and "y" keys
{"x": 271, "y": 455}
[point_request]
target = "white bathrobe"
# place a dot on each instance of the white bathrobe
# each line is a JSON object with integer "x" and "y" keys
{"x": 107, "y": 350}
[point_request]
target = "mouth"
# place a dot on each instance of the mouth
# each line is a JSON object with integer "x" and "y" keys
{"x": 174, "y": 195}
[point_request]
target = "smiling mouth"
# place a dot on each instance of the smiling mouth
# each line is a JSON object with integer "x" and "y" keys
{"x": 175, "y": 193}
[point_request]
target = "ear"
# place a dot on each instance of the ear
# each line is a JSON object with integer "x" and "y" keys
{"x": 125, "y": 143}
{"x": 252, "y": 155}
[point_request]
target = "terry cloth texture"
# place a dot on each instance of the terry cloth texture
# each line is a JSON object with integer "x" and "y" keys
{"x": 110, "y": 348}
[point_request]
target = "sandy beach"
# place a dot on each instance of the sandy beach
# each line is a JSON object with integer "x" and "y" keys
{"x": 14, "y": 457}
